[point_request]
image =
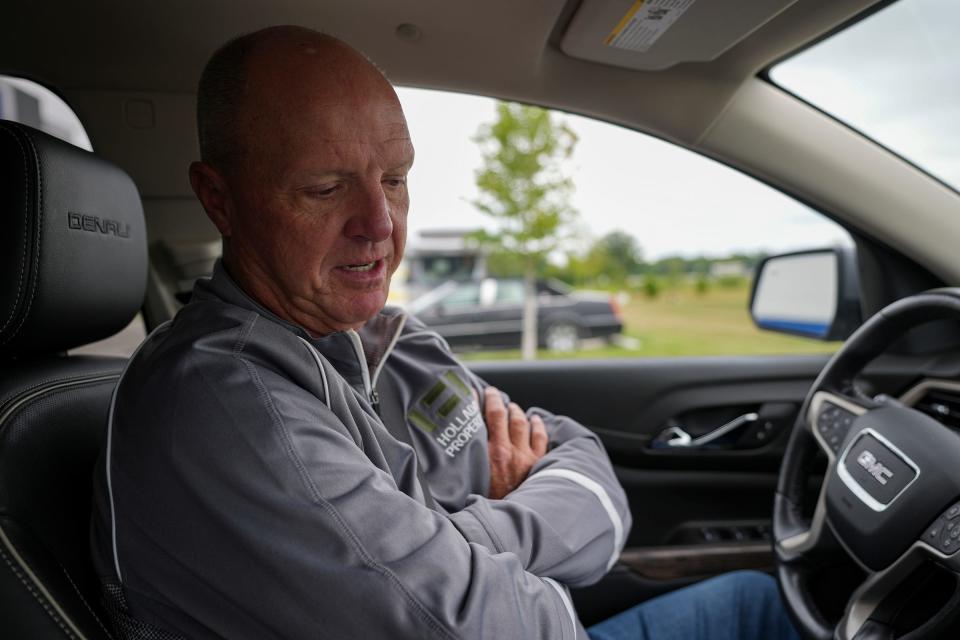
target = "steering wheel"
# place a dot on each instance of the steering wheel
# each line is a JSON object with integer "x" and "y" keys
{"x": 891, "y": 492}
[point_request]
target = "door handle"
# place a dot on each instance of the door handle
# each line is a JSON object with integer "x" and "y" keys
{"x": 676, "y": 437}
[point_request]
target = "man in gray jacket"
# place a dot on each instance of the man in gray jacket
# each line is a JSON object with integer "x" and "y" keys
{"x": 286, "y": 458}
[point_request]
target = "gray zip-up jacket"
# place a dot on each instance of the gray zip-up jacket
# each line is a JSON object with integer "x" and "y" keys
{"x": 249, "y": 488}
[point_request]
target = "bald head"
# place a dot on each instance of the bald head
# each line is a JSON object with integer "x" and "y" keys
{"x": 262, "y": 76}
{"x": 305, "y": 160}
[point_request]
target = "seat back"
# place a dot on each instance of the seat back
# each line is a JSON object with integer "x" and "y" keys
{"x": 73, "y": 266}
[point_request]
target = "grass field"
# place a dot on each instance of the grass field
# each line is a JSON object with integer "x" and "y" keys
{"x": 683, "y": 322}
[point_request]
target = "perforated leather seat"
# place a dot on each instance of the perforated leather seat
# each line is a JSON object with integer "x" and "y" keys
{"x": 73, "y": 269}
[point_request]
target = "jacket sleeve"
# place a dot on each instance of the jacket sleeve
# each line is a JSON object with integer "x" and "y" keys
{"x": 330, "y": 546}
{"x": 568, "y": 520}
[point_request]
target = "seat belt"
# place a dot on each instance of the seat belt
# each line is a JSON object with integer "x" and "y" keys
{"x": 390, "y": 406}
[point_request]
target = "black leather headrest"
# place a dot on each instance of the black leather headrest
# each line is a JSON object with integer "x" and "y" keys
{"x": 73, "y": 248}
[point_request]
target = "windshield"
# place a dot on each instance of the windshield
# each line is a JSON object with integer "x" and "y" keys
{"x": 894, "y": 76}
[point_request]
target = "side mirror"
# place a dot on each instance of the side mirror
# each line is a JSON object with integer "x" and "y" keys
{"x": 815, "y": 294}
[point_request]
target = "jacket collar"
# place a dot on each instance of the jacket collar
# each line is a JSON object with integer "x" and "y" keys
{"x": 376, "y": 336}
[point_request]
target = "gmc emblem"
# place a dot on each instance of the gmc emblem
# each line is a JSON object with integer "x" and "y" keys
{"x": 107, "y": 227}
{"x": 874, "y": 467}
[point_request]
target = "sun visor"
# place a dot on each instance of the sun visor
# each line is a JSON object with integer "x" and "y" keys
{"x": 651, "y": 35}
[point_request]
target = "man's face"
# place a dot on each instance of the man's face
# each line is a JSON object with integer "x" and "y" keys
{"x": 320, "y": 196}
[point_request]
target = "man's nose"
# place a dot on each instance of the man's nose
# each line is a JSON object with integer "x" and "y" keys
{"x": 371, "y": 216}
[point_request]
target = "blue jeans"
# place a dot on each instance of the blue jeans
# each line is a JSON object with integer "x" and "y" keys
{"x": 743, "y": 605}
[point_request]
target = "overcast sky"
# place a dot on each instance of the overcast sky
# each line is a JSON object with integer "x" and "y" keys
{"x": 893, "y": 79}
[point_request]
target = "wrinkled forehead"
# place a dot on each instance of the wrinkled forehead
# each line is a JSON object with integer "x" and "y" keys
{"x": 330, "y": 136}
{"x": 376, "y": 124}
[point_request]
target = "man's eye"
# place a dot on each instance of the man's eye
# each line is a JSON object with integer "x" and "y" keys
{"x": 395, "y": 182}
{"x": 323, "y": 192}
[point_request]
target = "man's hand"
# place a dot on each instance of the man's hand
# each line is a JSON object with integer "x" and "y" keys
{"x": 515, "y": 443}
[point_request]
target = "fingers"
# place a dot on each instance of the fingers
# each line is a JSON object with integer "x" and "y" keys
{"x": 510, "y": 424}
{"x": 515, "y": 443}
{"x": 496, "y": 415}
{"x": 538, "y": 436}
{"x": 519, "y": 427}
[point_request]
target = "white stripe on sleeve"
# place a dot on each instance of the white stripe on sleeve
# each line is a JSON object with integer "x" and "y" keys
{"x": 596, "y": 489}
{"x": 566, "y": 601}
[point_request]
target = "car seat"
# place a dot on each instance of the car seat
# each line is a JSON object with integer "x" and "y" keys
{"x": 73, "y": 270}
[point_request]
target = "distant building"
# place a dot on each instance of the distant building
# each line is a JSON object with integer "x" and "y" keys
{"x": 729, "y": 269}
{"x": 435, "y": 256}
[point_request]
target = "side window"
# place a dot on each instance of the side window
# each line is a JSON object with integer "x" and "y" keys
{"x": 437, "y": 269}
{"x": 655, "y": 255}
{"x": 29, "y": 103}
{"x": 510, "y": 292}
{"x": 465, "y": 295}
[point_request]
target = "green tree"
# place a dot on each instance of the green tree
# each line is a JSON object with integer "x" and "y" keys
{"x": 609, "y": 260}
{"x": 615, "y": 256}
{"x": 524, "y": 189}
{"x": 505, "y": 265}
{"x": 702, "y": 284}
{"x": 651, "y": 286}
{"x": 673, "y": 269}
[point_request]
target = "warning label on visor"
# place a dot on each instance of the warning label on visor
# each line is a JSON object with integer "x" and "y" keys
{"x": 645, "y": 22}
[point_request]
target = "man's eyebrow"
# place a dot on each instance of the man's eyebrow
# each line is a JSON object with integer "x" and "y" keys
{"x": 403, "y": 165}
{"x": 306, "y": 177}
{"x": 399, "y": 159}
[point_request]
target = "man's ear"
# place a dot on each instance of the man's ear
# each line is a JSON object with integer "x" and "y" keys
{"x": 214, "y": 195}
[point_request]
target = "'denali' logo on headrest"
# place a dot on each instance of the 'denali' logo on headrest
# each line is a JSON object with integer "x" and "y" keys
{"x": 105, "y": 226}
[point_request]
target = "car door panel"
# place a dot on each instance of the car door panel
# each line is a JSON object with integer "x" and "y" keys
{"x": 629, "y": 402}
{"x": 696, "y": 512}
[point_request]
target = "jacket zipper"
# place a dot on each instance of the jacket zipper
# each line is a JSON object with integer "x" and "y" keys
{"x": 369, "y": 383}
{"x": 389, "y": 349}
{"x": 364, "y": 370}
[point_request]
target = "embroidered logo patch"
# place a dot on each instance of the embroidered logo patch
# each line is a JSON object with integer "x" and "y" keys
{"x": 448, "y": 412}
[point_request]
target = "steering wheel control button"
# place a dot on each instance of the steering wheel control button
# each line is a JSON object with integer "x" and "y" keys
{"x": 834, "y": 423}
{"x": 875, "y": 470}
{"x": 944, "y": 533}
{"x": 948, "y": 541}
